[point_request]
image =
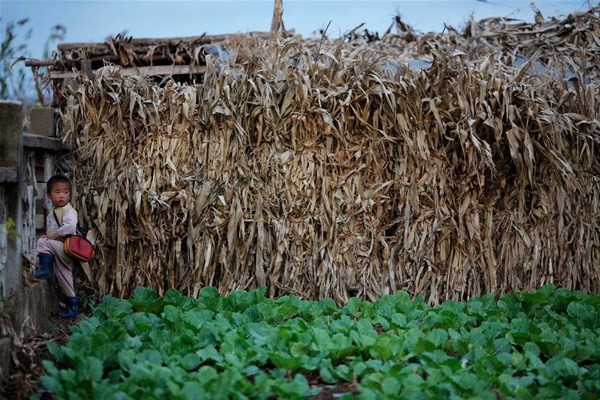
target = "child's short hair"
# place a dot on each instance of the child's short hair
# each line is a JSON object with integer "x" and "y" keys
{"x": 57, "y": 179}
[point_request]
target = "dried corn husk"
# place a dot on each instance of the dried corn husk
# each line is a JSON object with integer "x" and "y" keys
{"x": 320, "y": 171}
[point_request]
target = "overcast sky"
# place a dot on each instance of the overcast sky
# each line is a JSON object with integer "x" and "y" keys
{"x": 95, "y": 20}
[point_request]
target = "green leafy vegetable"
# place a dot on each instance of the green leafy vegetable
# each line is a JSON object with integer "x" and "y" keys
{"x": 543, "y": 344}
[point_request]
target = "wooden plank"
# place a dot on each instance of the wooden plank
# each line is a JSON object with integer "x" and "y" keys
{"x": 143, "y": 71}
{"x": 39, "y": 63}
{"x": 203, "y": 39}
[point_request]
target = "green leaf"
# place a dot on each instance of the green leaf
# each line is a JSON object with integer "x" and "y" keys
{"x": 353, "y": 306}
{"x": 209, "y": 292}
{"x": 171, "y": 314}
{"x": 438, "y": 337}
{"x": 343, "y": 371}
{"x": 518, "y": 361}
{"x": 413, "y": 382}
{"x": 298, "y": 388}
{"x": 239, "y": 300}
{"x": 358, "y": 367}
{"x": 436, "y": 357}
{"x": 51, "y": 380}
{"x": 91, "y": 369}
{"x": 466, "y": 380}
{"x": 390, "y": 386}
{"x": 299, "y": 349}
{"x": 342, "y": 347}
{"x": 126, "y": 359}
{"x": 585, "y": 315}
{"x": 55, "y": 349}
{"x": 209, "y": 353}
{"x": 175, "y": 298}
{"x": 112, "y": 308}
{"x": 362, "y": 341}
{"x": 193, "y": 391}
{"x": 284, "y": 361}
{"x": 564, "y": 367}
{"x": 197, "y": 318}
{"x": 398, "y": 320}
{"x": 146, "y": 300}
{"x": 326, "y": 375}
{"x": 191, "y": 361}
{"x": 401, "y": 301}
{"x": 387, "y": 347}
{"x": 150, "y": 356}
{"x": 321, "y": 340}
{"x": 509, "y": 305}
{"x": 328, "y": 306}
{"x": 207, "y": 374}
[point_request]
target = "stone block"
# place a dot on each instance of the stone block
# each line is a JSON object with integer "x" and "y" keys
{"x": 39, "y": 173}
{"x": 42, "y": 121}
{"x": 33, "y": 141}
{"x": 40, "y": 205}
{"x": 11, "y": 120}
{"x": 30, "y": 316}
{"x": 39, "y": 222}
{"x": 8, "y": 174}
{"x": 40, "y": 300}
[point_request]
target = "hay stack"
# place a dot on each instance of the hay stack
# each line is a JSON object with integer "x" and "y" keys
{"x": 322, "y": 171}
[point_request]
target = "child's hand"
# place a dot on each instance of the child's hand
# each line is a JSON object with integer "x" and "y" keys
{"x": 53, "y": 236}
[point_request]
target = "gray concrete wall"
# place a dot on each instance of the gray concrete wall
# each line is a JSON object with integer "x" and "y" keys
{"x": 27, "y": 160}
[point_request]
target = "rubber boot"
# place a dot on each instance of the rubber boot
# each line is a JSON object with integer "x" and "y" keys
{"x": 46, "y": 261}
{"x": 72, "y": 304}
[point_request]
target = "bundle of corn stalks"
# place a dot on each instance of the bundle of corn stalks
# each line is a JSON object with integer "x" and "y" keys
{"x": 327, "y": 168}
{"x": 127, "y": 51}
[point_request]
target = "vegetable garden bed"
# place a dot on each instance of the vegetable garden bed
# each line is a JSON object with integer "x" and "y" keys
{"x": 543, "y": 344}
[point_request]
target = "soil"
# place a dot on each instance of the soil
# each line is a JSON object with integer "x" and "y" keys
{"x": 330, "y": 392}
{"x": 26, "y": 363}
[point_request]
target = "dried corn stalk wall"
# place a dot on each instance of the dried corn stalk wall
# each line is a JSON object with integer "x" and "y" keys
{"x": 327, "y": 175}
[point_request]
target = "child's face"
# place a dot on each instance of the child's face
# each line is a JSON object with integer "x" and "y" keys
{"x": 60, "y": 195}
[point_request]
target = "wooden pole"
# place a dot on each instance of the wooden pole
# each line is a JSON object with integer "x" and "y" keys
{"x": 277, "y": 20}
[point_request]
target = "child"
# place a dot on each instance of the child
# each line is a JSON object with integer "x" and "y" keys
{"x": 61, "y": 222}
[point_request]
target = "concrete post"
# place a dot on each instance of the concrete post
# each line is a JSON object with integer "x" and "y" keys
{"x": 11, "y": 154}
{"x": 11, "y": 115}
{"x": 11, "y": 220}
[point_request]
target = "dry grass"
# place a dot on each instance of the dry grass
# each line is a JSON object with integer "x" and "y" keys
{"x": 318, "y": 169}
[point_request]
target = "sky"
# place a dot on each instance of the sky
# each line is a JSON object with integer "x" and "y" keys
{"x": 96, "y": 20}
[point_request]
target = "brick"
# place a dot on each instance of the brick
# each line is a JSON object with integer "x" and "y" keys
{"x": 42, "y": 121}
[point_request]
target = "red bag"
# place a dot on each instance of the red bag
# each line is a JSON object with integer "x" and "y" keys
{"x": 79, "y": 248}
